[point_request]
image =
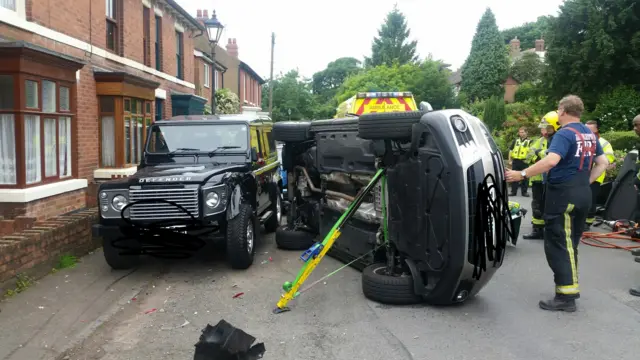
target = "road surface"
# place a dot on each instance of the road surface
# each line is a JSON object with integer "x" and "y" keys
{"x": 91, "y": 312}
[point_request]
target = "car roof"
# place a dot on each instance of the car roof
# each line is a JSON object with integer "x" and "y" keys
{"x": 245, "y": 118}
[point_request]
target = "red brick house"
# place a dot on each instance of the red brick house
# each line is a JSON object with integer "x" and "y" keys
{"x": 80, "y": 81}
{"x": 230, "y": 72}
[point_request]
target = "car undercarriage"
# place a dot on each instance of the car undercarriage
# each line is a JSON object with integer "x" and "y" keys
{"x": 434, "y": 223}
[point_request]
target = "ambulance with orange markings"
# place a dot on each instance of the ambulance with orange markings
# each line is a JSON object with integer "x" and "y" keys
{"x": 376, "y": 102}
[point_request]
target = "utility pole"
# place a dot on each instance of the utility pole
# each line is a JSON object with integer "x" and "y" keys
{"x": 273, "y": 43}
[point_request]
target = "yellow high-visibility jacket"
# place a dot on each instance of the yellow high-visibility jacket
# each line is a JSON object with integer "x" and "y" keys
{"x": 608, "y": 152}
{"x": 520, "y": 149}
{"x": 537, "y": 151}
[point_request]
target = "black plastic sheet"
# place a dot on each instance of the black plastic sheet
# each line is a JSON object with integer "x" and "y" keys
{"x": 226, "y": 342}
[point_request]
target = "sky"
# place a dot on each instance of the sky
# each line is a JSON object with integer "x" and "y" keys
{"x": 310, "y": 34}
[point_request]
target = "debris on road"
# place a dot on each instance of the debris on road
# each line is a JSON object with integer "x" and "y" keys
{"x": 224, "y": 341}
{"x": 238, "y": 295}
{"x": 150, "y": 311}
{"x": 186, "y": 322}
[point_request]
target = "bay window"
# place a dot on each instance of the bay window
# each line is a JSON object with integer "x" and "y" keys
{"x": 35, "y": 130}
{"x": 125, "y": 112}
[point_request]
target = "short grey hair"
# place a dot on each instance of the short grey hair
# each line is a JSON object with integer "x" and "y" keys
{"x": 636, "y": 119}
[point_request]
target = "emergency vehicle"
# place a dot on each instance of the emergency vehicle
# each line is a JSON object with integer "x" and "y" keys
{"x": 376, "y": 102}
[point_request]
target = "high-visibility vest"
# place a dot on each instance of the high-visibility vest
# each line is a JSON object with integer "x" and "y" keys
{"x": 608, "y": 152}
{"x": 537, "y": 151}
{"x": 520, "y": 149}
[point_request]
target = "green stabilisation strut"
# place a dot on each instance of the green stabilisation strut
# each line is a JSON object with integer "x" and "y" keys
{"x": 312, "y": 257}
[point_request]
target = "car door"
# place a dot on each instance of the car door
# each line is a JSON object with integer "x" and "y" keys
{"x": 260, "y": 173}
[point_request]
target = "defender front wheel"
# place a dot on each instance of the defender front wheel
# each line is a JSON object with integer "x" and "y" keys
{"x": 242, "y": 234}
{"x": 117, "y": 258}
{"x": 388, "y": 289}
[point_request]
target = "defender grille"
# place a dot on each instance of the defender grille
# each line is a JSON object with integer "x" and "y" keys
{"x": 187, "y": 198}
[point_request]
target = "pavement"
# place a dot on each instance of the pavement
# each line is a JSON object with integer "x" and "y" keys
{"x": 159, "y": 310}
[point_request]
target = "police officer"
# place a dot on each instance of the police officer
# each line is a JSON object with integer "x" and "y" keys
{"x": 569, "y": 165}
{"x": 517, "y": 158}
{"x": 636, "y": 127}
{"x": 548, "y": 126}
{"x": 595, "y": 186}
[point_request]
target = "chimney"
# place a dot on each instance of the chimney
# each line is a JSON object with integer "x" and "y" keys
{"x": 514, "y": 46}
{"x": 540, "y": 45}
{"x": 205, "y": 14}
{"x": 200, "y": 18}
{"x": 232, "y": 47}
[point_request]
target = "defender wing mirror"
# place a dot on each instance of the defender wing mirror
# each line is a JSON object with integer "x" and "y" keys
{"x": 254, "y": 154}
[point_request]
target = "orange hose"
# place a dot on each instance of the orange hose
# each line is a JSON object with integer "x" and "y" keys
{"x": 595, "y": 239}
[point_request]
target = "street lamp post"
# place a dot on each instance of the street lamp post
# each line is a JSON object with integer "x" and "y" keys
{"x": 214, "y": 30}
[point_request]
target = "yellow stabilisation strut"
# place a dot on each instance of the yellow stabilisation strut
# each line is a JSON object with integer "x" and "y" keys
{"x": 315, "y": 253}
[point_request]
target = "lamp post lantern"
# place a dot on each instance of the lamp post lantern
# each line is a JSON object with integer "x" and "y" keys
{"x": 214, "y": 30}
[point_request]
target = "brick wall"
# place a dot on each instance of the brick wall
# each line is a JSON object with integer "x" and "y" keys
{"x": 45, "y": 208}
{"x": 205, "y": 92}
{"x": 36, "y": 246}
{"x": 133, "y": 30}
{"x": 87, "y": 126}
{"x": 86, "y": 21}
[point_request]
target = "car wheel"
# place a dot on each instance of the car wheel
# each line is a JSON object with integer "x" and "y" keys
{"x": 292, "y": 131}
{"x": 115, "y": 257}
{"x": 288, "y": 239}
{"x": 388, "y": 126}
{"x": 273, "y": 222}
{"x": 388, "y": 289}
{"x": 241, "y": 238}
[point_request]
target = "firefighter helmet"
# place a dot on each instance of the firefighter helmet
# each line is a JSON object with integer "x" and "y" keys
{"x": 550, "y": 119}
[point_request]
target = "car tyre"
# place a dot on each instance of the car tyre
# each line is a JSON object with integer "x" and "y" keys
{"x": 292, "y": 131}
{"x": 385, "y": 289}
{"x": 388, "y": 126}
{"x": 273, "y": 222}
{"x": 288, "y": 239}
{"x": 115, "y": 257}
{"x": 242, "y": 235}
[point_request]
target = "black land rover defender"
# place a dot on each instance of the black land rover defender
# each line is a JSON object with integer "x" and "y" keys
{"x": 201, "y": 179}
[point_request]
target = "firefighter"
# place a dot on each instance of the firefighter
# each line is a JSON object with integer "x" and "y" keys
{"x": 548, "y": 126}
{"x": 517, "y": 158}
{"x": 595, "y": 186}
{"x": 636, "y": 127}
{"x": 567, "y": 197}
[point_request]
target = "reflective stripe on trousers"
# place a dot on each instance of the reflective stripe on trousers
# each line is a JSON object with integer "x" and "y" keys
{"x": 565, "y": 213}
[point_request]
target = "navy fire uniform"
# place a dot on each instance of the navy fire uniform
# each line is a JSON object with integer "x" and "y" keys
{"x": 567, "y": 203}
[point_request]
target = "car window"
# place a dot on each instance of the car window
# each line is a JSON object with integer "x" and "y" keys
{"x": 168, "y": 138}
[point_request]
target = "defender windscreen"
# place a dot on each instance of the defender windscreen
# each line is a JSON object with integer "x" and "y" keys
{"x": 165, "y": 139}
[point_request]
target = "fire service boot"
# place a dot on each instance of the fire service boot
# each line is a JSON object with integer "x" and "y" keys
{"x": 558, "y": 304}
{"x": 635, "y": 252}
{"x": 536, "y": 234}
{"x": 635, "y": 291}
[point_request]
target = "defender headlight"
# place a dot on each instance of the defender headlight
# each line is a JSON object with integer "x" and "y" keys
{"x": 459, "y": 123}
{"x": 212, "y": 200}
{"x": 119, "y": 202}
{"x": 103, "y": 195}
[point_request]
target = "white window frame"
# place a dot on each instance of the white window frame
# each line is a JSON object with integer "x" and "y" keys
{"x": 21, "y": 9}
{"x": 207, "y": 76}
{"x": 215, "y": 79}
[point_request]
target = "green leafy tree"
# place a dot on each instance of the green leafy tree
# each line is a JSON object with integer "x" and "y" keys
{"x": 494, "y": 113}
{"x": 528, "y": 33}
{"x": 616, "y": 109}
{"x": 527, "y": 68}
{"x": 392, "y": 45}
{"x": 593, "y": 47}
{"x": 487, "y": 67}
{"x": 227, "y": 102}
{"x": 292, "y": 93}
{"x": 428, "y": 81}
{"x": 326, "y": 83}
